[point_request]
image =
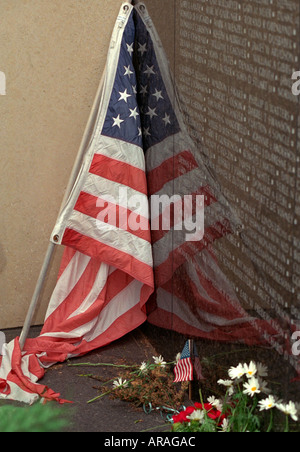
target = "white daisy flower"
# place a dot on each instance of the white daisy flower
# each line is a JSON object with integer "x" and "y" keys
{"x": 225, "y": 425}
{"x": 215, "y": 403}
{"x": 264, "y": 386}
{"x": 252, "y": 387}
{"x": 289, "y": 409}
{"x": 197, "y": 415}
{"x": 159, "y": 361}
{"x": 143, "y": 367}
{"x": 228, "y": 384}
{"x": 262, "y": 370}
{"x": 267, "y": 404}
{"x": 236, "y": 372}
{"x": 250, "y": 369}
{"x": 120, "y": 382}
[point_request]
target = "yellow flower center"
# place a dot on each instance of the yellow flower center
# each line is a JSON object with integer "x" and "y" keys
{"x": 254, "y": 388}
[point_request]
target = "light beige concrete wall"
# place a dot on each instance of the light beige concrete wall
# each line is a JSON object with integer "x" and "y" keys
{"x": 53, "y": 54}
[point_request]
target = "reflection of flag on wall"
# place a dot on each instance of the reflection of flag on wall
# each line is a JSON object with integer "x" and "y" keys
{"x": 197, "y": 364}
{"x": 192, "y": 294}
{"x": 184, "y": 367}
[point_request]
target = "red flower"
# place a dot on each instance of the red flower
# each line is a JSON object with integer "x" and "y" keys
{"x": 212, "y": 413}
{"x": 182, "y": 416}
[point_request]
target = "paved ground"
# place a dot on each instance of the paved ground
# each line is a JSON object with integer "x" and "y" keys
{"x": 104, "y": 415}
{"x": 107, "y": 415}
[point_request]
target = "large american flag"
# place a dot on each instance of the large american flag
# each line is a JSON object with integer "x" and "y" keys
{"x": 116, "y": 273}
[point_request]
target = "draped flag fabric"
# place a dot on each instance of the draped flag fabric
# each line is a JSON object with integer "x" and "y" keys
{"x": 118, "y": 269}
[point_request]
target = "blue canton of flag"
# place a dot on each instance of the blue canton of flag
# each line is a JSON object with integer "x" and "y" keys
{"x": 123, "y": 119}
{"x": 140, "y": 111}
{"x": 184, "y": 368}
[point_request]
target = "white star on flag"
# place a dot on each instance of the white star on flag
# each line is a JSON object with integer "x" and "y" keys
{"x": 166, "y": 119}
{"x": 128, "y": 71}
{"x": 158, "y": 95}
{"x": 142, "y": 48}
{"x": 149, "y": 71}
{"x": 130, "y": 49}
{"x": 146, "y": 132}
{"x": 151, "y": 112}
{"x": 118, "y": 121}
{"x": 124, "y": 96}
{"x": 144, "y": 90}
{"x": 134, "y": 113}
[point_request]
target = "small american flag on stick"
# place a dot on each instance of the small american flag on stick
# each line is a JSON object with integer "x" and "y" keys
{"x": 184, "y": 368}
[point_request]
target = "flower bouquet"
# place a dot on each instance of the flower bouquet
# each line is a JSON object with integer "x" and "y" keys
{"x": 242, "y": 409}
{"x": 149, "y": 385}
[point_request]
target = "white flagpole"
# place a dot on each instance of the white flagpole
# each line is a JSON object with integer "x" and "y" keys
{"x": 51, "y": 247}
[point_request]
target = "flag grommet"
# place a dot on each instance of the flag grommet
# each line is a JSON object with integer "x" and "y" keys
{"x": 56, "y": 238}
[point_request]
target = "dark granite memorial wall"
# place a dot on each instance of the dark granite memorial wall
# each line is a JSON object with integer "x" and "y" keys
{"x": 236, "y": 66}
{"x": 235, "y": 70}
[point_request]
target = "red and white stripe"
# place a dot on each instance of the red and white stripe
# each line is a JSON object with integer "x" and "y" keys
{"x": 183, "y": 370}
{"x": 106, "y": 274}
{"x": 19, "y": 374}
